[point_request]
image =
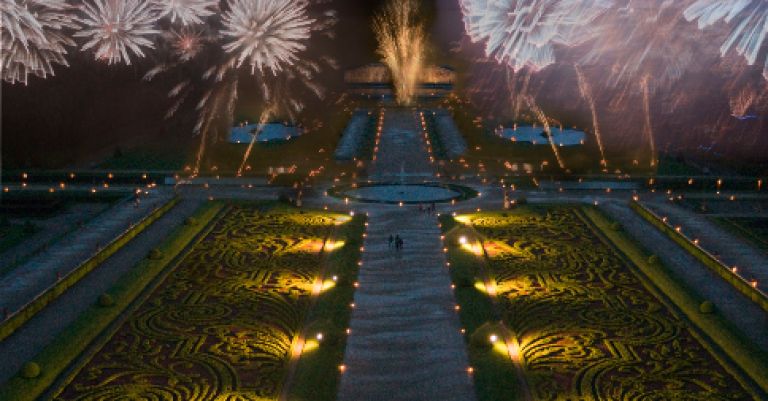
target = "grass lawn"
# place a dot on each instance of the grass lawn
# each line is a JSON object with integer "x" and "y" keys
{"x": 754, "y": 230}
{"x": 11, "y": 235}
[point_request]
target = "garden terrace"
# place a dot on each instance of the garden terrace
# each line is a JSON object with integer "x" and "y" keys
{"x": 223, "y": 322}
{"x": 580, "y": 321}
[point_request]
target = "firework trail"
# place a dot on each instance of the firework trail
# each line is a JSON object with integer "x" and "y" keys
{"x": 547, "y": 130}
{"x": 116, "y": 28}
{"x": 524, "y": 33}
{"x": 265, "y": 116}
{"x": 33, "y": 37}
{"x": 401, "y": 39}
{"x": 188, "y": 12}
{"x": 267, "y": 33}
{"x": 586, "y": 92}
{"x": 749, "y": 21}
{"x": 648, "y": 127}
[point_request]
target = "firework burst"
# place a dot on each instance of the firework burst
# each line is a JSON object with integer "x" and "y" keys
{"x": 117, "y": 28}
{"x": 33, "y": 37}
{"x": 187, "y": 12}
{"x": 524, "y": 33}
{"x": 267, "y": 34}
{"x": 749, "y": 21}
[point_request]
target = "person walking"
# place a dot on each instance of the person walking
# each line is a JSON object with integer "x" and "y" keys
{"x": 397, "y": 242}
{"x": 391, "y": 239}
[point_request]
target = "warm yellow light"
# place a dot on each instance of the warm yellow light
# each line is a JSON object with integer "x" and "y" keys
{"x": 462, "y": 240}
{"x": 493, "y": 338}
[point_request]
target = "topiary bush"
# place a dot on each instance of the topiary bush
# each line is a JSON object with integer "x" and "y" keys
{"x": 653, "y": 259}
{"x": 29, "y": 228}
{"x": 616, "y": 226}
{"x": 707, "y": 307}
{"x": 106, "y": 300}
{"x": 155, "y": 254}
{"x": 190, "y": 221}
{"x": 30, "y": 370}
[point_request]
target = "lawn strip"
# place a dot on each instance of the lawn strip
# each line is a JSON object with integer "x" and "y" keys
{"x": 317, "y": 375}
{"x": 494, "y": 374}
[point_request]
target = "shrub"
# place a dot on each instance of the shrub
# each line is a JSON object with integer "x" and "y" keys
{"x": 707, "y": 307}
{"x": 155, "y": 254}
{"x": 30, "y": 370}
{"x": 29, "y": 228}
{"x": 106, "y": 300}
{"x": 481, "y": 338}
{"x": 190, "y": 221}
{"x": 4, "y": 222}
{"x": 653, "y": 259}
{"x": 616, "y": 226}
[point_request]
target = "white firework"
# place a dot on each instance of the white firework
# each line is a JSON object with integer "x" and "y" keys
{"x": 267, "y": 34}
{"x": 33, "y": 37}
{"x": 749, "y": 22}
{"x": 117, "y": 28}
{"x": 188, "y": 12}
{"x": 524, "y": 33}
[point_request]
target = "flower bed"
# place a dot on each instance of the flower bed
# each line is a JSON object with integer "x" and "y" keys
{"x": 222, "y": 324}
{"x": 586, "y": 325}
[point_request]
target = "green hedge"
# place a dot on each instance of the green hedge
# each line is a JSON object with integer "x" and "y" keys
{"x": 52, "y": 293}
{"x": 704, "y": 257}
{"x": 58, "y": 355}
{"x": 725, "y": 336}
{"x": 317, "y": 376}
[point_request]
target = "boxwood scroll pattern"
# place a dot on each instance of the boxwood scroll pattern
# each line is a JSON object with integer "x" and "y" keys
{"x": 588, "y": 328}
{"x": 222, "y": 324}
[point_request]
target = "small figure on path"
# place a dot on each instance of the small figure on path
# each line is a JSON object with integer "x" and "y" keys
{"x": 398, "y": 241}
{"x": 391, "y": 239}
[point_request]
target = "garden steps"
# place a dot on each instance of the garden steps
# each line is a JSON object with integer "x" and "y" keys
{"x": 743, "y": 313}
{"x": 405, "y": 342}
{"x": 25, "y": 282}
{"x": 402, "y": 151}
{"x": 46, "y": 325}
{"x": 733, "y": 251}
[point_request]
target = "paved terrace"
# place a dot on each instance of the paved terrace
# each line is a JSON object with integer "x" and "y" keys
{"x": 402, "y": 151}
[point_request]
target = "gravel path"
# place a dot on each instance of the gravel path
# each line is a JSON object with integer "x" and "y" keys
{"x": 402, "y": 153}
{"x": 405, "y": 342}
{"x": 39, "y": 331}
{"x": 742, "y": 312}
{"x": 732, "y": 250}
{"x": 25, "y": 282}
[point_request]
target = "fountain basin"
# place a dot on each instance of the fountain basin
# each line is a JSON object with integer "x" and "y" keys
{"x": 395, "y": 193}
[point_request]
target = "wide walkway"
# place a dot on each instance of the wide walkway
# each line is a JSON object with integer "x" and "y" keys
{"x": 732, "y": 250}
{"x": 405, "y": 342}
{"x": 25, "y": 282}
{"x": 46, "y": 325}
{"x": 402, "y": 152}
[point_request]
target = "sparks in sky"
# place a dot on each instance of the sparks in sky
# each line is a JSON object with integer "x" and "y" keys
{"x": 117, "y": 28}
{"x": 187, "y": 12}
{"x": 749, "y": 25}
{"x": 525, "y": 33}
{"x": 267, "y": 34}
{"x": 33, "y": 37}
{"x": 401, "y": 44}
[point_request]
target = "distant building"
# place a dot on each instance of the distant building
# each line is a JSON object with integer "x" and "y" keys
{"x": 270, "y": 132}
{"x": 375, "y": 80}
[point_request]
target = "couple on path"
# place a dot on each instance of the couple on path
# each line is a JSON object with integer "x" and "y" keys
{"x": 397, "y": 241}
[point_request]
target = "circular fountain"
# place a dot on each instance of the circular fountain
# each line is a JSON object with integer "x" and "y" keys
{"x": 395, "y": 193}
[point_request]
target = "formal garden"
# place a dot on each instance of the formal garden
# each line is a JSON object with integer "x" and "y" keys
{"x": 553, "y": 311}
{"x": 226, "y": 320}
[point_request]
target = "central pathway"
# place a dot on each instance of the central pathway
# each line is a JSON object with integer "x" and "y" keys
{"x": 403, "y": 154}
{"x": 405, "y": 342}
